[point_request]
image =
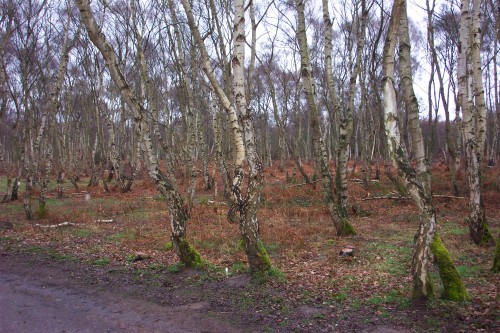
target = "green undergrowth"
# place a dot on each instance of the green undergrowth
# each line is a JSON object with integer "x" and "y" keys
{"x": 262, "y": 277}
{"x": 104, "y": 261}
{"x": 48, "y": 252}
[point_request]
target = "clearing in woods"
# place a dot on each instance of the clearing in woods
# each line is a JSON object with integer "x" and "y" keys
{"x": 120, "y": 242}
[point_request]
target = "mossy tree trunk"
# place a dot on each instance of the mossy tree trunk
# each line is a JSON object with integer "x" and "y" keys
{"x": 179, "y": 214}
{"x": 417, "y": 181}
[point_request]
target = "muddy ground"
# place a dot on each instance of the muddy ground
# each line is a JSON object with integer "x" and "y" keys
{"x": 44, "y": 294}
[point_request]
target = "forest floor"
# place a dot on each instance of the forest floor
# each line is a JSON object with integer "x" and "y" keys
{"x": 312, "y": 288}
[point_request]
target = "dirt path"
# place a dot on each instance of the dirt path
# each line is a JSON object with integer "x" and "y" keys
{"x": 41, "y": 299}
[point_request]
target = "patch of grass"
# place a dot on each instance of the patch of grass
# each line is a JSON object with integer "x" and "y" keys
{"x": 12, "y": 208}
{"x": 271, "y": 247}
{"x": 394, "y": 267}
{"x": 272, "y": 273}
{"x": 137, "y": 214}
{"x": 168, "y": 246}
{"x": 456, "y": 230}
{"x": 54, "y": 254}
{"x": 120, "y": 236}
{"x": 83, "y": 233}
{"x": 175, "y": 268}
{"x": 301, "y": 201}
{"x": 468, "y": 271}
{"x": 340, "y": 297}
{"x": 239, "y": 267}
{"x": 376, "y": 300}
{"x": 245, "y": 301}
{"x": 49, "y": 252}
{"x": 277, "y": 274}
{"x": 396, "y": 258}
{"x": 208, "y": 244}
{"x": 102, "y": 261}
{"x": 51, "y": 202}
{"x": 202, "y": 199}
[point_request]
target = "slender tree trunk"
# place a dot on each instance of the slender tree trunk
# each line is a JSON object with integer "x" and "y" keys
{"x": 451, "y": 141}
{"x": 339, "y": 218}
{"x": 178, "y": 210}
{"x": 219, "y": 153}
{"x": 243, "y": 139}
{"x": 347, "y": 121}
{"x": 427, "y": 244}
{"x": 471, "y": 97}
{"x": 8, "y": 194}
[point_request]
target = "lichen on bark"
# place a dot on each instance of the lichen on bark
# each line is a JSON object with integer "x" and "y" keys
{"x": 453, "y": 288}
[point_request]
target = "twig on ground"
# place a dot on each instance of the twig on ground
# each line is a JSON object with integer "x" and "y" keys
{"x": 63, "y": 224}
{"x": 302, "y": 184}
{"x": 104, "y": 221}
{"x": 390, "y": 197}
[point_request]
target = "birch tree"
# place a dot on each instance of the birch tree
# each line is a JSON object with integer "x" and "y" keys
{"x": 245, "y": 205}
{"x": 428, "y": 245}
{"x": 337, "y": 214}
{"x": 471, "y": 98}
{"x": 179, "y": 214}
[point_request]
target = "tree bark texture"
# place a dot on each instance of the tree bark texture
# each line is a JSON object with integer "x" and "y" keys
{"x": 425, "y": 247}
{"x": 471, "y": 98}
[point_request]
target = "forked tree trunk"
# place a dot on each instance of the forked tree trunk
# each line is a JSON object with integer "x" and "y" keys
{"x": 340, "y": 220}
{"x": 471, "y": 97}
{"x": 178, "y": 211}
{"x": 427, "y": 244}
{"x": 245, "y": 204}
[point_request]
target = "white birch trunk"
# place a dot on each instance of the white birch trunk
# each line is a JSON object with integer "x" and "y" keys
{"x": 471, "y": 98}
{"x": 340, "y": 221}
{"x": 245, "y": 204}
{"x": 427, "y": 246}
{"x": 178, "y": 211}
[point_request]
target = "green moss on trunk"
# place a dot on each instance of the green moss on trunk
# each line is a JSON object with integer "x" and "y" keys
{"x": 496, "y": 261}
{"x": 486, "y": 237}
{"x": 187, "y": 253}
{"x": 345, "y": 229}
{"x": 265, "y": 261}
{"x": 479, "y": 232}
{"x": 454, "y": 289}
